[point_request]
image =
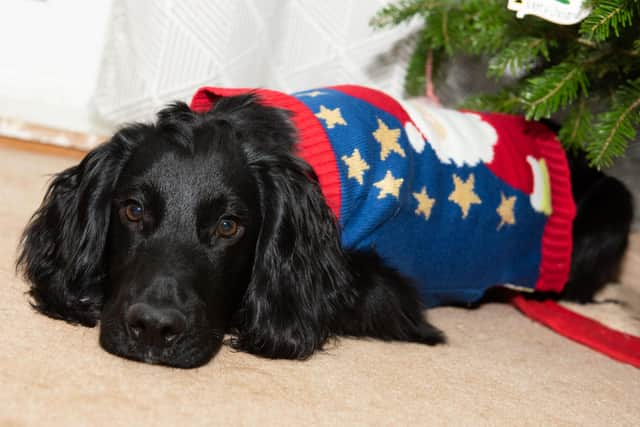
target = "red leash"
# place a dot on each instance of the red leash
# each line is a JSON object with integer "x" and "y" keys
{"x": 617, "y": 345}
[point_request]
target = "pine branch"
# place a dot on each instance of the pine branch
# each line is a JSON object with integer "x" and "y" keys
{"x": 403, "y": 10}
{"x": 485, "y": 19}
{"x": 614, "y": 129}
{"x": 505, "y": 101}
{"x": 444, "y": 24}
{"x": 577, "y": 128}
{"x": 608, "y": 15}
{"x": 415, "y": 79}
{"x": 518, "y": 55}
{"x": 556, "y": 87}
{"x": 554, "y": 65}
{"x": 444, "y": 29}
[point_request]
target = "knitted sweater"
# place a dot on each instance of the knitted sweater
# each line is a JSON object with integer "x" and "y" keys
{"x": 457, "y": 201}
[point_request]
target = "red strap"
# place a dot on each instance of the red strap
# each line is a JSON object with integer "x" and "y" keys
{"x": 617, "y": 345}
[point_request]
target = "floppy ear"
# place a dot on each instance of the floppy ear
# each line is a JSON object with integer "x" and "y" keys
{"x": 61, "y": 251}
{"x": 300, "y": 277}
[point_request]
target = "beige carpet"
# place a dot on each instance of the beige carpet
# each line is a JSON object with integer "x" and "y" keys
{"x": 499, "y": 367}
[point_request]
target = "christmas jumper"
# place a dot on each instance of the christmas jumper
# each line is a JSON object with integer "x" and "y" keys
{"x": 457, "y": 201}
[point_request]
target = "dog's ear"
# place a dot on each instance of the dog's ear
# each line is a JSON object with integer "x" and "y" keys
{"x": 61, "y": 251}
{"x": 300, "y": 276}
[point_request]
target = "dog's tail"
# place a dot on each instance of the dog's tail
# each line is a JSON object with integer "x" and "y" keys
{"x": 600, "y": 230}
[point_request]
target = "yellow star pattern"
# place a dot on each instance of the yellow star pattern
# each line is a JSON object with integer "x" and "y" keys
{"x": 331, "y": 117}
{"x": 463, "y": 194}
{"x": 505, "y": 210}
{"x": 425, "y": 203}
{"x": 357, "y": 166}
{"x": 388, "y": 139}
{"x": 389, "y": 185}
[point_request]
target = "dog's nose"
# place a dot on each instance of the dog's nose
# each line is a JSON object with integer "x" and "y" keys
{"x": 154, "y": 326}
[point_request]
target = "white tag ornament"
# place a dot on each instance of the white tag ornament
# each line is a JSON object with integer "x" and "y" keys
{"x": 563, "y": 12}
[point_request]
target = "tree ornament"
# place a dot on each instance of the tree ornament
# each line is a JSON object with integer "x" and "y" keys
{"x": 564, "y": 12}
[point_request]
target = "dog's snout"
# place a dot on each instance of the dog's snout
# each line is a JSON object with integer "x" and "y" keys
{"x": 154, "y": 326}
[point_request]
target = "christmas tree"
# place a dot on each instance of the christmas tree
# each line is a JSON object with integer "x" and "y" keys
{"x": 588, "y": 73}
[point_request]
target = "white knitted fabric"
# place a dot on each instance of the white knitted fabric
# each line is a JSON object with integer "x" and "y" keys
{"x": 162, "y": 50}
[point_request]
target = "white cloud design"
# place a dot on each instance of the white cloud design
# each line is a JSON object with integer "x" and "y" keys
{"x": 461, "y": 138}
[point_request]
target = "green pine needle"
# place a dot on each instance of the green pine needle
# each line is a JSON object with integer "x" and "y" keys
{"x": 486, "y": 21}
{"x": 401, "y": 11}
{"x": 552, "y": 66}
{"x": 607, "y": 15}
{"x": 615, "y": 128}
{"x": 503, "y": 102}
{"x": 518, "y": 55}
{"x": 577, "y": 128}
{"x": 556, "y": 87}
{"x": 415, "y": 79}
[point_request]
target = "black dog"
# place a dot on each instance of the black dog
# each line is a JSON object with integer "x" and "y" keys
{"x": 176, "y": 233}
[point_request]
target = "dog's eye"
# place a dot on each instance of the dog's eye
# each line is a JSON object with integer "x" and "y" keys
{"x": 227, "y": 228}
{"x": 133, "y": 211}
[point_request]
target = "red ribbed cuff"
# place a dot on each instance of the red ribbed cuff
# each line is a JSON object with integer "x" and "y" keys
{"x": 557, "y": 238}
{"x": 313, "y": 143}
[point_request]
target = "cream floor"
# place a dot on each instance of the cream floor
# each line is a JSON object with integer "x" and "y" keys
{"x": 499, "y": 367}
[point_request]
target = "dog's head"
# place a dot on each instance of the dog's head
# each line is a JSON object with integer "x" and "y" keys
{"x": 174, "y": 233}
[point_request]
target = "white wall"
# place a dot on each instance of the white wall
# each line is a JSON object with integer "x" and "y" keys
{"x": 50, "y": 53}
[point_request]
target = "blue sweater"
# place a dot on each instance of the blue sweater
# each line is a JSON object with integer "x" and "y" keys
{"x": 457, "y": 201}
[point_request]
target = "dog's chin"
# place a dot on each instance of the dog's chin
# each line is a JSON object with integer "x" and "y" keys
{"x": 188, "y": 352}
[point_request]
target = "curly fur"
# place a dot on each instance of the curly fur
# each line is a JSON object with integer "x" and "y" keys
{"x": 281, "y": 287}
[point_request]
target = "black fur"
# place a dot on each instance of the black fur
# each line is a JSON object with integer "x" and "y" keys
{"x": 600, "y": 230}
{"x": 169, "y": 284}
{"x": 63, "y": 244}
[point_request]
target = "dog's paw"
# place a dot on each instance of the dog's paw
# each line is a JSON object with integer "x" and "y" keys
{"x": 427, "y": 334}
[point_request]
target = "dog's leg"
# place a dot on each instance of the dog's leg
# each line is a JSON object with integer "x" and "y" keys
{"x": 386, "y": 306}
{"x": 600, "y": 231}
